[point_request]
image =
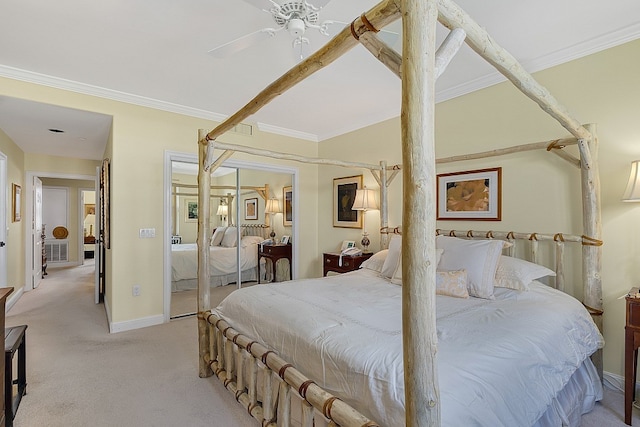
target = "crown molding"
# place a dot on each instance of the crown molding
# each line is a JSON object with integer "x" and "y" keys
{"x": 263, "y": 127}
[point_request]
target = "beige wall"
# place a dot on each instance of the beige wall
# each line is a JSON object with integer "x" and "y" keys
{"x": 541, "y": 192}
{"x": 15, "y": 230}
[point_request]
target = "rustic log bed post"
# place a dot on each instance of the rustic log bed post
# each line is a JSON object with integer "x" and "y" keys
{"x": 419, "y": 336}
{"x": 419, "y": 70}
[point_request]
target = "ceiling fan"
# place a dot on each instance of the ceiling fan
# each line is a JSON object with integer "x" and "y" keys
{"x": 294, "y": 16}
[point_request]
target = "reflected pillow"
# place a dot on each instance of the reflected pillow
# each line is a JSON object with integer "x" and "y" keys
{"x": 217, "y": 236}
{"x": 514, "y": 273}
{"x": 230, "y": 237}
{"x": 478, "y": 257}
{"x": 376, "y": 261}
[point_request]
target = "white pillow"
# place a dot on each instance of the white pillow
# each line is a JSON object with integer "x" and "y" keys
{"x": 376, "y": 261}
{"x": 218, "y": 234}
{"x": 478, "y": 257}
{"x": 397, "y": 275}
{"x": 514, "y": 273}
{"x": 250, "y": 240}
{"x": 230, "y": 237}
{"x": 393, "y": 257}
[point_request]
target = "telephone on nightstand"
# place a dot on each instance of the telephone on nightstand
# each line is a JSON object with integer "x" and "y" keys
{"x": 351, "y": 252}
{"x": 348, "y": 252}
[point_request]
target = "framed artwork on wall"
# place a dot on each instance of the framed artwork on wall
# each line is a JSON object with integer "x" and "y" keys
{"x": 472, "y": 195}
{"x": 17, "y": 197}
{"x": 287, "y": 201}
{"x": 344, "y": 194}
{"x": 191, "y": 210}
{"x": 251, "y": 208}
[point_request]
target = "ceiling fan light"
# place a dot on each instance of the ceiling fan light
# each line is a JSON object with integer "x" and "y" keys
{"x": 296, "y": 27}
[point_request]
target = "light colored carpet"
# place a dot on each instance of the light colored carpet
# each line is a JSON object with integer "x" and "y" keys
{"x": 186, "y": 302}
{"x": 78, "y": 374}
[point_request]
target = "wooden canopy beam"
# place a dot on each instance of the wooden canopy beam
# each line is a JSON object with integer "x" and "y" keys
{"x": 393, "y": 61}
{"x": 379, "y": 16}
{"x": 452, "y": 16}
{"x": 293, "y": 157}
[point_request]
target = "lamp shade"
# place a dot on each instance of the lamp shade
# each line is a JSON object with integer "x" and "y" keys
{"x": 272, "y": 207}
{"x": 632, "y": 193}
{"x": 365, "y": 200}
{"x": 223, "y": 210}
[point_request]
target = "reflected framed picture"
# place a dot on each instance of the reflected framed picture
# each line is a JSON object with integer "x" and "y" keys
{"x": 191, "y": 210}
{"x": 251, "y": 208}
{"x": 16, "y": 197}
{"x": 287, "y": 198}
{"x": 344, "y": 194}
{"x": 472, "y": 195}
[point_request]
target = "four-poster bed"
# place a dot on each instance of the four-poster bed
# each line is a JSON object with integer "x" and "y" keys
{"x": 224, "y": 351}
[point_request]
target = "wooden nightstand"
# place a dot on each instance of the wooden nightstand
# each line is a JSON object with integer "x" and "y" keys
{"x": 331, "y": 262}
{"x": 631, "y": 344}
{"x": 274, "y": 253}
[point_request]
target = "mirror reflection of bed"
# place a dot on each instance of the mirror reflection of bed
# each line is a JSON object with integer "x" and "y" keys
{"x": 238, "y": 196}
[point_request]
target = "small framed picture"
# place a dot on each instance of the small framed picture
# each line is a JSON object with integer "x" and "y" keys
{"x": 285, "y": 240}
{"x": 251, "y": 209}
{"x": 347, "y": 244}
{"x": 471, "y": 195}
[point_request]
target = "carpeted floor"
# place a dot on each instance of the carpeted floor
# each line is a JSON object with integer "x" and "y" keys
{"x": 79, "y": 375}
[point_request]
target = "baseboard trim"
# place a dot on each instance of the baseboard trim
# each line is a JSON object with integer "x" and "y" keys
{"x": 129, "y": 325}
{"x": 14, "y": 299}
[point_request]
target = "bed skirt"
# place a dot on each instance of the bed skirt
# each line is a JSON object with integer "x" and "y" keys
{"x": 189, "y": 284}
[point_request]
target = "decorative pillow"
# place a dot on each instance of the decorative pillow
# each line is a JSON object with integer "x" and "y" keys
{"x": 250, "y": 240}
{"x": 393, "y": 257}
{"x": 452, "y": 283}
{"x": 376, "y": 261}
{"x": 397, "y": 275}
{"x": 514, "y": 273}
{"x": 478, "y": 257}
{"x": 217, "y": 236}
{"x": 230, "y": 237}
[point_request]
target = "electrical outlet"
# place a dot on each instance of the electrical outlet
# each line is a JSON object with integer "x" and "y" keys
{"x": 136, "y": 290}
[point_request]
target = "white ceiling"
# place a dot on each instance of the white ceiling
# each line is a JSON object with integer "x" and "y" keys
{"x": 155, "y": 54}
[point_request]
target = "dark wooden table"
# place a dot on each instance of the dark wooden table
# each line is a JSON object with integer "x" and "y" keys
{"x": 331, "y": 262}
{"x": 631, "y": 344}
{"x": 274, "y": 253}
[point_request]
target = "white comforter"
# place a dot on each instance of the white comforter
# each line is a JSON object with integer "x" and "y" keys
{"x": 500, "y": 362}
{"x": 222, "y": 260}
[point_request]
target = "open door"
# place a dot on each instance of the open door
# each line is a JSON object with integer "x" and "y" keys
{"x": 36, "y": 234}
{"x": 98, "y": 251}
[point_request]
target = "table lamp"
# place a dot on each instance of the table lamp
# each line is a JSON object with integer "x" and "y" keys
{"x": 632, "y": 192}
{"x": 365, "y": 200}
{"x": 272, "y": 207}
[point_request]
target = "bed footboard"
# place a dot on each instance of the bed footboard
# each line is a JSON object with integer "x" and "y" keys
{"x": 262, "y": 381}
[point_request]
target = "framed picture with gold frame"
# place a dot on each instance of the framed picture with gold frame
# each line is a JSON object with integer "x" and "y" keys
{"x": 344, "y": 194}
{"x": 471, "y": 195}
{"x": 287, "y": 201}
{"x": 17, "y": 200}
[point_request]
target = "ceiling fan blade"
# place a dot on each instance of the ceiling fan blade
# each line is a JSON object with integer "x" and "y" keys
{"x": 242, "y": 43}
{"x": 317, "y": 4}
{"x": 260, "y": 4}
